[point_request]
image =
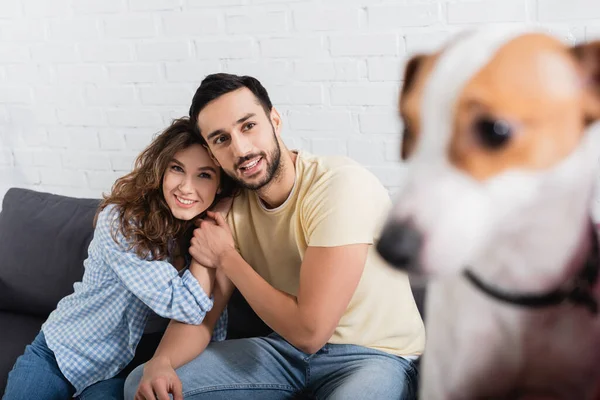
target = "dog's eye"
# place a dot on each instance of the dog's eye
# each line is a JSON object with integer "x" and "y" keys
{"x": 492, "y": 133}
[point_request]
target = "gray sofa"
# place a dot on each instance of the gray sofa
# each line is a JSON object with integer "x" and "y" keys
{"x": 43, "y": 242}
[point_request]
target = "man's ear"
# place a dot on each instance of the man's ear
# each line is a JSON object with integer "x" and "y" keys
{"x": 588, "y": 57}
{"x": 212, "y": 156}
{"x": 276, "y": 120}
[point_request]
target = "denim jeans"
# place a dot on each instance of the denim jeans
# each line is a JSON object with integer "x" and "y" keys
{"x": 36, "y": 376}
{"x": 270, "y": 368}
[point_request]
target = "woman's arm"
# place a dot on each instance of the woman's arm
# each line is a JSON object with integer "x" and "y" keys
{"x": 156, "y": 283}
{"x": 204, "y": 276}
{"x": 180, "y": 344}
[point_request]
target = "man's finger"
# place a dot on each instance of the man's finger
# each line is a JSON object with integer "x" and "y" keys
{"x": 205, "y": 223}
{"x": 177, "y": 390}
{"x": 145, "y": 392}
{"x": 218, "y": 217}
{"x": 194, "y": 253}
{"x": 161, "y": 391}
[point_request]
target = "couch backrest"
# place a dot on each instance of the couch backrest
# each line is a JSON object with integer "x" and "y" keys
{"x": 43, "y": 243}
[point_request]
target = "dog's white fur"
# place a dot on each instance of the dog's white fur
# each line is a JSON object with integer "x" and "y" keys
{"x": 520, "y": 231}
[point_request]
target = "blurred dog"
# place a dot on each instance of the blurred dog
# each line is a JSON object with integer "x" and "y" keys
{"x": 502, "y": 149}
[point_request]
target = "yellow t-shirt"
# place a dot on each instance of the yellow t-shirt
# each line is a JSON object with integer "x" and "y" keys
{"x": 334, "y": 202}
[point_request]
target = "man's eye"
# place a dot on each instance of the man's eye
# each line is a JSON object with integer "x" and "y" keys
{"x": 250, "y": 125}
{"x": 220, "y": 139}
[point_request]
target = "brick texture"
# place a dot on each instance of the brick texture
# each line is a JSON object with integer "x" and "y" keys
{"x": 84, "y": 85}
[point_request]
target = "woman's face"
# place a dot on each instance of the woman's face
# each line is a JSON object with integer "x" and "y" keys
{"x": 190, "y": 182}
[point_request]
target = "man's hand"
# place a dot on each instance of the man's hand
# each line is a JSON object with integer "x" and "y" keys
{"x": 211, "y": 240}
{"x": 222, "y": 207}
{"x": 158, "y": 381}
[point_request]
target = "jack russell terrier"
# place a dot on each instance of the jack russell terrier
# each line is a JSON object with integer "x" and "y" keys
{"x": 502, "y": 149}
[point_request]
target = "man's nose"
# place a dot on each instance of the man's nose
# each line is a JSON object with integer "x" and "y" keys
{"x": 400, "y": 244}
{"x": 241, "y": 145}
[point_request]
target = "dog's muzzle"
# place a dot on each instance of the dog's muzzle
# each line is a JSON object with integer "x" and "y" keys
{"x": 400, "y": 245}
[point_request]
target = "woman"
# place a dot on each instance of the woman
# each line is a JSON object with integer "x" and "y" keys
{"x": 137, "y": 264}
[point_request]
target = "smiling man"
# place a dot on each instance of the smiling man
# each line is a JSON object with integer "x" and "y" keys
{"x": 298, "y": 245}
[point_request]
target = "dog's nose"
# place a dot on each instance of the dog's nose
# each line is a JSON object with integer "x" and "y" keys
{"x": 400, "y": 244}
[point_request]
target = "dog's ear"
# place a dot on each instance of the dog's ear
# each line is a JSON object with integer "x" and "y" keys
{"x": 410, "y": 71}
{"x": 588, "y": 56}
{"x": 410, "y": 74}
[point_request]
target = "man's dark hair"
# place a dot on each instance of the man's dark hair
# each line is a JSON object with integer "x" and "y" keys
{"x": 216, "y": 85}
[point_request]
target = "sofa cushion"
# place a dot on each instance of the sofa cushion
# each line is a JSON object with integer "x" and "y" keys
{"x": 16, "y": 333}
{"x": 43, "y": 242}
{"x": 243, "y": 321}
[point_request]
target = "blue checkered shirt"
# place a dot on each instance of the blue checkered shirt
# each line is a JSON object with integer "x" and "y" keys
{"x": 94, "y": 331}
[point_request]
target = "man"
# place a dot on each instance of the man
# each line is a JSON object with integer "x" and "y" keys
{"x": 298, "y": 245}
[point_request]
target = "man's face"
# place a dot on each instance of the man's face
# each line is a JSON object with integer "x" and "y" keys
{"x": 242, "y": 138}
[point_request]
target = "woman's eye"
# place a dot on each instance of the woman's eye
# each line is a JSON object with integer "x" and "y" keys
{"x": 177, "y": 168}
{"x": 205, "y": 175}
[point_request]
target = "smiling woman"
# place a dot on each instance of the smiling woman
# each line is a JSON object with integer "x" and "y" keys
{"x": 190, "y": 182}
{"x": 174, "y": 164}
{"x": 136, "y": 268}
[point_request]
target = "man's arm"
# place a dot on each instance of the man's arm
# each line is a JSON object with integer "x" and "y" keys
{"x": 328, "y": 278}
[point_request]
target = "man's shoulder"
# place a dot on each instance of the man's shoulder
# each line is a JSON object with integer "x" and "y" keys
{"x": 335, "y": 169}
{"x": 330, "y": 167}
{"x": 326, "y": 163}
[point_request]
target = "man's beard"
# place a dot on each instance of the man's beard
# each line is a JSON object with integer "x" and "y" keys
{"x": 273, "y": 167}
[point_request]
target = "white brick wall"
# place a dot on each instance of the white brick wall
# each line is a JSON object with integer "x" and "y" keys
{"x": 85, "y": 84}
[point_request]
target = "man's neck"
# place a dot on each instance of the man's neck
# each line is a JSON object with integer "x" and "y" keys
{"x": 278, "y": 190}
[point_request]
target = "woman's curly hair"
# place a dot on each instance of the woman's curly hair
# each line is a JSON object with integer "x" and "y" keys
{"x": 144, "y": 218}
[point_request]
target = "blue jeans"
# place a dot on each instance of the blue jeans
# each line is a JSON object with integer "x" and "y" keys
{"x": 36, "y": 376}
{"x": 270, "y": 368}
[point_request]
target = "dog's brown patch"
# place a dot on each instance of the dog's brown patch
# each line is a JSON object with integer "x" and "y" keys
{"x": 588, "y": 56}
{"x": 418, "y": 69}
{"x": 532, "y": 86}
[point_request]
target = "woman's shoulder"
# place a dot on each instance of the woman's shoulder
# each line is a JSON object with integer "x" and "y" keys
{"x": 108, "y": 223}
{"x": 107, "y": 215}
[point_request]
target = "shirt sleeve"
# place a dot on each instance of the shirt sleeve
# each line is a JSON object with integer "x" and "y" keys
{"x": 156, "y": 283}
{"x": 346, "y": 206}
{"x": 220, "y": 331}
